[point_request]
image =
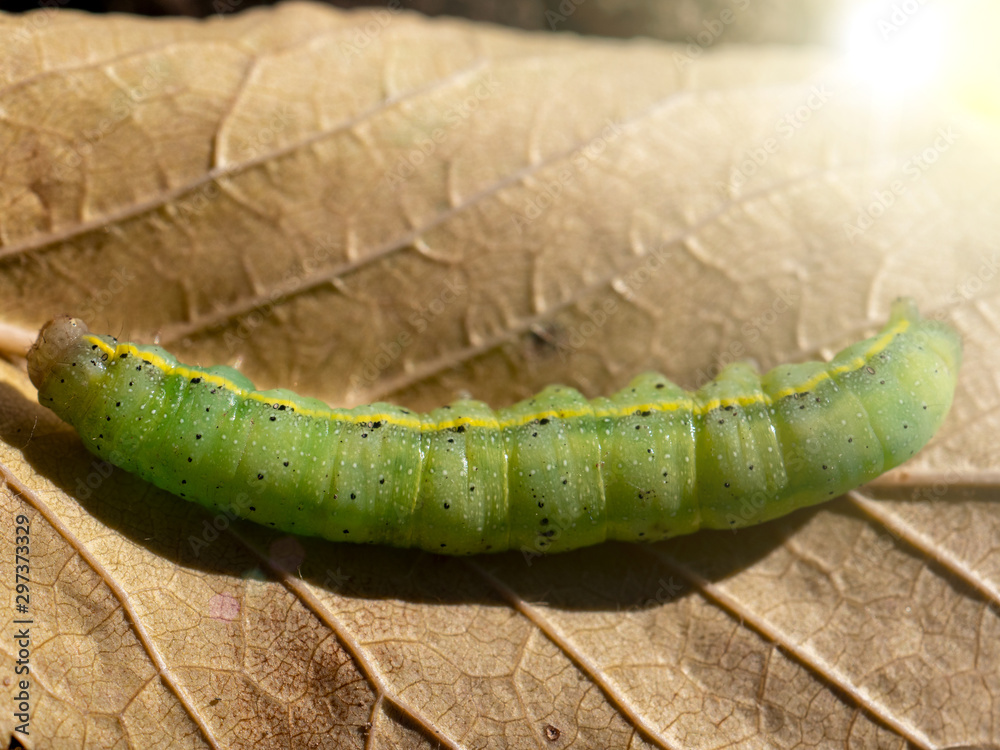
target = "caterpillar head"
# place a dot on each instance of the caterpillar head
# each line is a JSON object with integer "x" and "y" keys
{"x": 55, "y": 341}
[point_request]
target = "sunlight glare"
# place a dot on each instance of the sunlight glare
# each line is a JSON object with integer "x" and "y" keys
{"x": 895, "y": 47}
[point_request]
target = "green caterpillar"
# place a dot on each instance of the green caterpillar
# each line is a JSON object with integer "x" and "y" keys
{"x": 552, "y": 473}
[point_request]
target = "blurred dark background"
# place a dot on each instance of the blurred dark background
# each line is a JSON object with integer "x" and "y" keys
{"x": 783, "y": 21}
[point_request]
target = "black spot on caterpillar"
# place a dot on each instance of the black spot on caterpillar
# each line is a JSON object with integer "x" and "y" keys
{"x": 552, "y": 473}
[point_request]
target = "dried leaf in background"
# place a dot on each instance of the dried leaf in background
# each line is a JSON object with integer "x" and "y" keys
{"x": 385, "y": 207}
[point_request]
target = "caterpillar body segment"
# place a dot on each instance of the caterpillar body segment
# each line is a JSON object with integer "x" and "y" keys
{"x": 552, "y": 473}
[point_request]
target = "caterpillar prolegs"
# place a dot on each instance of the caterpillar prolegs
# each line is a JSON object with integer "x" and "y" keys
{"x": 552, "y": 473}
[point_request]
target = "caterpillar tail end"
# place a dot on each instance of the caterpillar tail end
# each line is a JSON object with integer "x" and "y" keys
{"x": 904, "y": 307}
{"x": 942, "y": 339}
{"x": 54, "y": 341}
{"x": 928, "y": 356}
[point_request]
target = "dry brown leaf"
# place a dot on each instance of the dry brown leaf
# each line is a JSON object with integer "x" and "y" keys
{"x": 377, "y": 206}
